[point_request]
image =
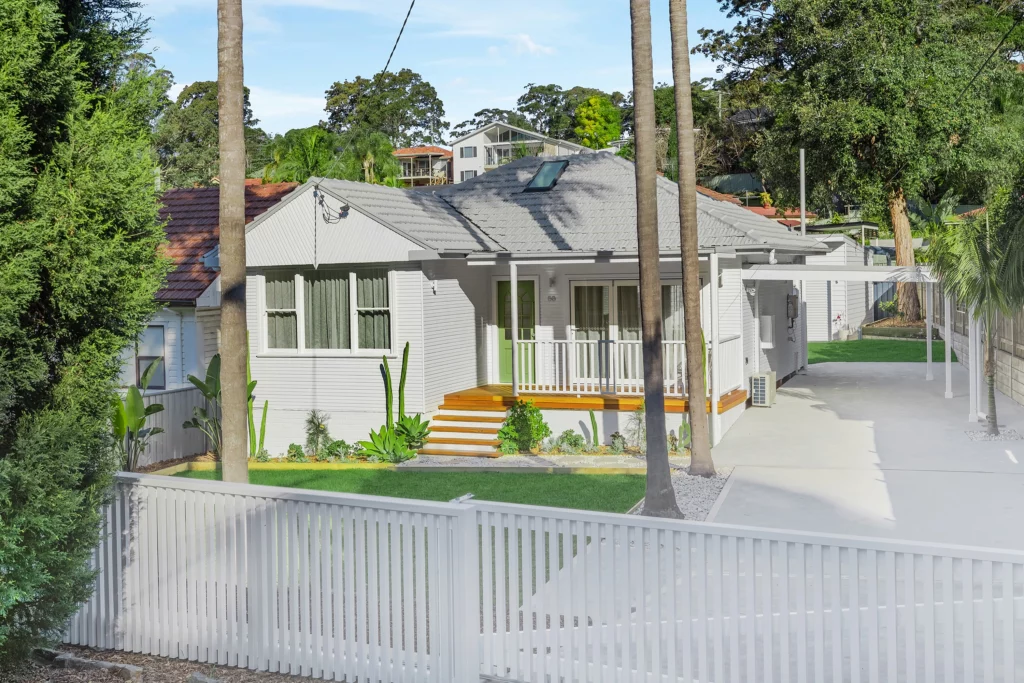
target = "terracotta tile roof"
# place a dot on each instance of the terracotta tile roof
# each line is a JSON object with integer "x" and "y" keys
{"x": 192, "y": 220}
{"x": 418, "y": 151}
{"x": 717, "y": 195}
{"x": 776, "y": 213}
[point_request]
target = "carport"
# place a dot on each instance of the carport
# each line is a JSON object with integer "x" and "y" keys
{"x": 895, "y": 274}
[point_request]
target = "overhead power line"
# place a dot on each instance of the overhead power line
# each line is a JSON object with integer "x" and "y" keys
{"x": 988, "y": 59}
{"x": 400, "y": 32}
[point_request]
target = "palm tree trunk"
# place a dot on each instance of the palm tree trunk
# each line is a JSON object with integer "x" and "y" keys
{"x": 700, "y": 440}
{"x": 234, "y": 392}
{"x": 660, "y": 500}
{"x": 906, "y": 292}
{"x": 990, "y": 376}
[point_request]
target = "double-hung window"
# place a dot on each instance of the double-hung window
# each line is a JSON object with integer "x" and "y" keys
{"x": 338, "y": 309}
{"x": 468, "y": 152}
{"x": 151, "y": 350}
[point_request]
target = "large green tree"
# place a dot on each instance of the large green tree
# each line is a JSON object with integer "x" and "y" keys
{"x": 881, "y": 93}
{"x": 598, "y": 122}
{"x": 401, "y": 105}
{"x": 79, "y": 265}
{"x": 187, "y": 136}
{"x": 551, "y": 110}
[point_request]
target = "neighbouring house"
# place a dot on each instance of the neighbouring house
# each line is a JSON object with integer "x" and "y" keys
{"x": 837, "y": 305}
{"x": 542, "y": 251}
{"x": 185, "y": 332}
{"x": 428, "y": 165}
{"x": 499, "y": 143}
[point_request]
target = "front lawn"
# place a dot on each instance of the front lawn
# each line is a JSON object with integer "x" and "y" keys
{"x": 600, "y": 492}
{"x": 874, "y": 351}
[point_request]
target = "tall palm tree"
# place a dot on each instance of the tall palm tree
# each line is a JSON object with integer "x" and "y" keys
{"x": 231, "y": 95}
{"x": 982, "y": 265}
{"x": 700, "y": 440}
{"x": 660, "y": 499}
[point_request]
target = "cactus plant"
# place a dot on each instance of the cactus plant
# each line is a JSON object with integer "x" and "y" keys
{"x": 595, "y": 440}
{"x": 401, "y": 382}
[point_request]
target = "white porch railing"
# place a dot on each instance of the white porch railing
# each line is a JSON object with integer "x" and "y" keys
{"x": 340, "y": 587}
{"x": 608, "y": 366}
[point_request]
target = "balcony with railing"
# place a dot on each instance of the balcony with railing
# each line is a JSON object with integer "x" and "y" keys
{"x": 615, "y": 367}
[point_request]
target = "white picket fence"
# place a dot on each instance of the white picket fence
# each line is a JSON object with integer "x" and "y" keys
{"x": 348, "y": 587}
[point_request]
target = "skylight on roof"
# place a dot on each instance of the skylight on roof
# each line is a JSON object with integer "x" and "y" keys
{"x": 547, "y": 176}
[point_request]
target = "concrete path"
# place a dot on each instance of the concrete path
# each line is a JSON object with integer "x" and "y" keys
{"x": 873, "y": 449}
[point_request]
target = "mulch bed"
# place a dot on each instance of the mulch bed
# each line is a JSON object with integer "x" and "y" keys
{"x": 155, "y": 670}
{"x": 896, "y": 321}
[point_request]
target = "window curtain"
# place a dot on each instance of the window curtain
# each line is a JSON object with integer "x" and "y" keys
{"x": 327, "y": 311}
{"x": 672, "y": 313}
{"x": 628, "y": 301}
{"x": 592, "y": 312}
{"x": 282, "y": 328}
{"x": 372, "y": 305}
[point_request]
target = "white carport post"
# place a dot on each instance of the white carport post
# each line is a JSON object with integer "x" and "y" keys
{"x": 948, "y": 336}
{"x": 716, "y": 392}
{"x": 972, "y": 357}
{"x": 929, "y": 376}
{"x": 513, "y": 275}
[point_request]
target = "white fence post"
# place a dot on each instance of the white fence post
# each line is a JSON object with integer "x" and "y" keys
{"x": 466, "y": 597}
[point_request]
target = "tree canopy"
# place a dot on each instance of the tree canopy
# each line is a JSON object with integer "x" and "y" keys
{"x": 598, "y": 122}
{"x": 551, "y": 110}
{"x": 79, "y": 266}
{"x": 302, "y": 153}
{"x": 880, "y": 93}
{"x": 186, "y": 137}
{"x": 401, "y": 105}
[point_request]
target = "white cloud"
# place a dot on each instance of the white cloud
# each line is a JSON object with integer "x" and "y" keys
{"x": 176, "y": 89}
{"x": 279, "y": 111}
{"x": 523, "y": 43}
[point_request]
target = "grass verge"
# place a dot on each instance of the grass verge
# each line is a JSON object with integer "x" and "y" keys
{"x": 599, "y": 492}
{"x": 874, "y": 351}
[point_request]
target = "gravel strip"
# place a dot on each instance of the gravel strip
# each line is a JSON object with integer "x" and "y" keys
{"x": 696, "y": 495}
{"x": 1004, "y": 435}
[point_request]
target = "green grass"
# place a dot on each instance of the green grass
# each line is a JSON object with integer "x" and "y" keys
{"x": 874, "y": 351}
{"x": 600, "y": 492}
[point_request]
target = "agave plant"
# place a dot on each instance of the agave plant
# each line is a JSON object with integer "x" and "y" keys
{"x": 129, "y": 421}
{"x": 386, "y": 445}
{"x": 414, "y": 429}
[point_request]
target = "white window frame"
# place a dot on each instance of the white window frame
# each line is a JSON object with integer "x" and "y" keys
{"x": 463, "y": 177}
{"x": 464, "y": 155}
{"x": 141, "y": 368}
{"x": 300, "y": 317}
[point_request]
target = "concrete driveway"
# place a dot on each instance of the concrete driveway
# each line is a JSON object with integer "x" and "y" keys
{"x": 872, "y": 449}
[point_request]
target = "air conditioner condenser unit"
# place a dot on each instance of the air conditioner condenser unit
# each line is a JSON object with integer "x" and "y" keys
{"x": 762, "y": 389}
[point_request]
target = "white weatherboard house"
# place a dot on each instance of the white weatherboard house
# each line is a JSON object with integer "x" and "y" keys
{"x": 497, "y": 143}
{"x": 541, "y": 250}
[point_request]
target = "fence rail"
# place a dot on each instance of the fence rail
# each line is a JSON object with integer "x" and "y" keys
{"x": 348, "y": 587}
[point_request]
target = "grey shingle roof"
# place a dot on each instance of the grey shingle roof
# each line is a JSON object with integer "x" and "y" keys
{"x": 422, "y": 216}
{"x": 593, "y": 208}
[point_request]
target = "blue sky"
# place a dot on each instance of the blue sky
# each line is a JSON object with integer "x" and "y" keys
{"x": 476, "y": 53}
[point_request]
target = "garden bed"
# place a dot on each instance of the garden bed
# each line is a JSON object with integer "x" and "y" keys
{"x": 894, "y": 328}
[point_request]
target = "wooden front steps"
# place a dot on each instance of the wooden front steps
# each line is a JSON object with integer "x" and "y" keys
{"x": 468, "y": 432}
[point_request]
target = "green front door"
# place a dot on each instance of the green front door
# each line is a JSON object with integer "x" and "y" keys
{"x": 527, "y": 323}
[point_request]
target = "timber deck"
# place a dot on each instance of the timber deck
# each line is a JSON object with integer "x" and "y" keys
{"x": 492, "y": 397}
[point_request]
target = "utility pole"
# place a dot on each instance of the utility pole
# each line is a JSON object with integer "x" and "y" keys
{"x": 803, "y": 195}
